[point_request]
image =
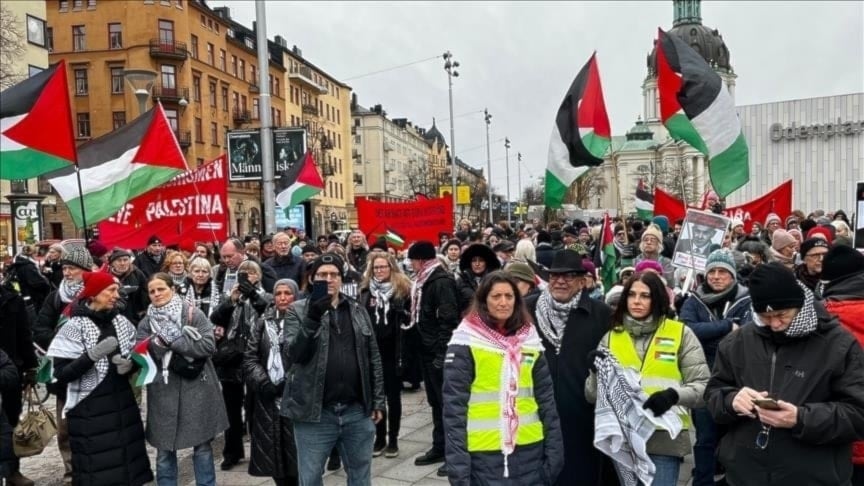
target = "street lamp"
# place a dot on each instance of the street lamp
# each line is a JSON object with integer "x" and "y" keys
{"x": 519, "y": 184}
{"x": 488, "y": 117}
{"x": 507, "y": 158}
{"x": 450, "y": 66}
{"x": 141, "y": 81}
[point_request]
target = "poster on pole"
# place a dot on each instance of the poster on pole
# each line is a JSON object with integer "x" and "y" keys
{"x": 859, "y": 216}
{"x": 701, "y": 234}
{"x": 289, "y": 146}
{"x": 244, "y": 155}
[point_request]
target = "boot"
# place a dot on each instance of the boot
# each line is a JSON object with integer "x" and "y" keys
{"x": 18, "y": 479}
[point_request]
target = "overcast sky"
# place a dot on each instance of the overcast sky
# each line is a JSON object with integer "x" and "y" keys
{"x": 517, "y": 59}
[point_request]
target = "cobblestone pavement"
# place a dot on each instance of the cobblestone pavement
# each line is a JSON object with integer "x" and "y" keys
{"x": 414, "y": 438}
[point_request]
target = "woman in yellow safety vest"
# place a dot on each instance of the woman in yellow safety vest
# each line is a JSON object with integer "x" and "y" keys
{"x": 500, "y": 420}
{"x": 669, "y": 360}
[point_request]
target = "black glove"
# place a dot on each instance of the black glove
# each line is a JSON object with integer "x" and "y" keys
{"x": 268, "y": 390}
{"x": 317, "y": 309}
{"x": 660, "y": 402}
{"x": 248, "y": 290}
{"x": 597, "y": 353}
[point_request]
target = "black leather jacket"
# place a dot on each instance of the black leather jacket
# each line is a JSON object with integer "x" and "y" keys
{"x": 304, "y": 356}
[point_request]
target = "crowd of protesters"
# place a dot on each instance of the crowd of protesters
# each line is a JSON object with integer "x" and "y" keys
{"x": 536, "y": 370}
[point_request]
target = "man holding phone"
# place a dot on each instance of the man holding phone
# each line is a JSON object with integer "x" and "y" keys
{"x": 335, "y": 392}
{"x": 789, "y": 389}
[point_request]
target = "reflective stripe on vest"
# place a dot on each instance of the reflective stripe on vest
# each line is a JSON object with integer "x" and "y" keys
{"x": 484, "y": 406}
{"x": 660, "y": 369}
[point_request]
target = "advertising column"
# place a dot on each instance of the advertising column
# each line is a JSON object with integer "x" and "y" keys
{"x": 26, "y": 212}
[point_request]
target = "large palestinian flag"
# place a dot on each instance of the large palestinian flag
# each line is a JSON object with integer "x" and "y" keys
{"x": 36, "y": 133}
{"x": 120, "y": 166}
{"x": 580, "y": 136}
{"x": 695, "y": 106}
{"x": 644, "y": 202}
{"x": 299, "y": 183}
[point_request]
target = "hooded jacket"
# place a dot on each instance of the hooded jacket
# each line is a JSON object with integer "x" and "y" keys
{"x": 821, "y": 373}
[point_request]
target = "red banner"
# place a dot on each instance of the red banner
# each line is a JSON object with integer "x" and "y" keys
{"x": 413, "y": 220}
{"x": 190, "y": 207}
{"x": 778, "y": 201}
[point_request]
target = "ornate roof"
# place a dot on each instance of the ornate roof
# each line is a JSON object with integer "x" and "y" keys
{"x": 433, "y": 134}
{"x": 708, "y": 42}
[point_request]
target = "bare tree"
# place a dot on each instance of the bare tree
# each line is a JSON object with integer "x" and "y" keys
{"x": 12, "y": 41}
{"x": 674, "y": 175}
{"x": 591, "y": 185}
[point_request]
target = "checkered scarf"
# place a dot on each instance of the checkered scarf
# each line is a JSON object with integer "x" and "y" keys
{"x": 417, "y": 290}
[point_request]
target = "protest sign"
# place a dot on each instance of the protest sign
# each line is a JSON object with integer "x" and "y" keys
{"x": 413, "y": 220}
{"x": 701, "y": 234}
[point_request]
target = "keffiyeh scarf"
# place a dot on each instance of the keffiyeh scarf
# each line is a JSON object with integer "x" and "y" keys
{"x": 417, "y": 290}
{"x": 69, "y": 290}
{"x": 274, "y": 325}
{"x": 78, "y": 335}
{"x": 552, "y": 317}
{"x": 382, "y": 292}
{"x": 166, "y": 322}
{"x": 805, "y": 322}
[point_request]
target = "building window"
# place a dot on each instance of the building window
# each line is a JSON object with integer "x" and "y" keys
{"x": 276, "y": 83}
{"x": 242, "y": 70}
{"x": 338, "y": 117}
{"x": 64, "y": 5}
{"x": 166, "y": 33}
{"x": 169, "y": 78}
{"x": 203, "y": 21}
{"x": 234, "y": 66}
{"x": 270, "y": 78}
{"x": 236, "y": 99}
{"x": 253, "y": 73}
{"x": 49, "y": 39}
{"x": 35, "y": 31}
{"x": 199, "y": 136}
{"x": 194, "y": 44}
{"x": 77, "y": 4}
{"x": 278, "y": 118}
{"x": 171, "y": 115}
{"x": 249, "y": 43}
{"x": 212, "y": 94}
{"x": 79, "y": 38}
{"x": 118, "y": 119}
{"x": 255, "y": 110}
{"x": 43, "y": 186}
{"x": 115, "y": 36}
{"x": 196, "y": 88}
{"x": 210, "y": 59}
{"x": 18, "y": 186}
{"x": 117, "y": 80}
{"x": 81, "y": 82}
{"x": 83, "y": 125}
{"x": 291, "y": 94}
{"x": 178, "y": 3}
{"x": 225, "y": 98}
{"x": 214, "y": 133}
{"x": 91, "y": 4}
{"x": 243, "y": 100}
{"x": 222, "y": 65}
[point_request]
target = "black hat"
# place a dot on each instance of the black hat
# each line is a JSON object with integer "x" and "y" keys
{"x": 153, "y": 240}
{"x": 422, "y": 250}
{"x": 567, "y": 261}
{"x": 119, "y": 253}
{"x": 773, "y": 287}
{"x": 570, "y": 230}
{"x": 380, "y": 244}
{"x": 505, "y": 246}
{"x": 327, "y": 259}
{"x": 811, "y": 243}
{"x": 266, "y": 238}
{"x": 481, "y": 250}
{"x": 543, "y": 236}
{"x": 311, "y": 249}
{"x": 840, "y": 262}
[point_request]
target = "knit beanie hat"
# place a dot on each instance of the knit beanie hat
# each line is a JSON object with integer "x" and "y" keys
{"x": 791, "y": 219}
{"x": 781, "y": 239}
{"x": 79, "y": 257}
{"x": 153, "y": 239}
{"x": 662, "y": 222}
{"x": 821, "y": 231}
{"x": 773, "y": 287}
{"x": 813, "y": 243}
{"x": 97, "y": 249}
{"x": 328, "y": 259}
{"x": 521, "y": 271}
{"x": 721, "y": 258}
{"x": 653, "y": 230}
{"x": 796, "y": 233}
{"x": 649, "y": 265}
{"x": 422, "y": 250}
{"x": 737, "y": 222}
{"x": 589, "y": 267}
{"x": 772, "y": 217}
{"x": 94, "y": 283}
{"x": 840, "y": 262}
{"x": 118, "y": 253}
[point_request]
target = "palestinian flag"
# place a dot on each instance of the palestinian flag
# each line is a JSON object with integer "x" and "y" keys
{"x": 120, "y": 166}
{"x": 141, "y": 356}
{"x": 393, "y": 237}
{"x": 299, "y": 183}
{"x": 644, "y": 202}
{"x": 608, "y": 257}
{"x": 696, "y": 107}
{"x": 580, "y": 136}
{"x": 36, "y": 132}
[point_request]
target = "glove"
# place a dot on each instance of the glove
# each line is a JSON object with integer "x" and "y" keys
{"x": 29, "y": 377}
{"x": 103, "y": 348}
{"x": 268, "y": 390}
{"x": 124, "y": 365}
{"x": 191, "y": 333}
{"x": 248, "y": 290}
{"x": 597, "y": 353}
{"x": 317, "y": 309}
{"x": 168, "y": 334}
{"x": 660, "y": 402}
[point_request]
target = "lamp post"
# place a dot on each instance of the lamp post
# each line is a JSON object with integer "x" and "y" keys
{"x": 519, "y": 185}
{"x": 507, "y": 158}
{"x": 488, "y": 117}
{"x": 141, "y": 81}
{"x": 450, "y": 66}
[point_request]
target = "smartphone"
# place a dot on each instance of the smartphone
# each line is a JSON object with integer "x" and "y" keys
{"x": 242, "y": 277}
{"x": 319, "y": 290}
{"x": 766, "y": 403}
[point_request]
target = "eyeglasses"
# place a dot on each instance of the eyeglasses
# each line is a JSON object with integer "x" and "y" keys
{"x": 567, "y": 277}
{"x": 177, "y": 263}
{"x": 762, "y": 437}
{"x": 816, "y": 256}
{"x": 381, "y": 267}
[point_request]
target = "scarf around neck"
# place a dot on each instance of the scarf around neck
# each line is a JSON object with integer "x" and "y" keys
{"x": 417, "y": 290}
{"x": 69, "y": 290}
{"x": 166, "y": 319}
{"x": 382, "y": 292}
{"x": 552, "y": 317}
{"x": 804, "y": 323}
{"x": 274, "y": 325}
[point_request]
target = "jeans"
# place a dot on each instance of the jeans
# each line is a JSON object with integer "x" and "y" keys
{"x": 703, "y": 450}
{"x": 350, "y": 429}
{"x": 202, "y": 463}
{"x": 433, "y": 378}
{"x": 667, "y": 470}
{"x": 232, "y": 393}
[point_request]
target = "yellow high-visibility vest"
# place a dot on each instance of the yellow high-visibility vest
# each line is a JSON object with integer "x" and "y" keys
{"x": 660, "y": 369}
{"x": 485, "y": 417}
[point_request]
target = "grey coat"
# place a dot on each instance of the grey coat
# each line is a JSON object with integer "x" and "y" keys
{"x": 184, "y": 413}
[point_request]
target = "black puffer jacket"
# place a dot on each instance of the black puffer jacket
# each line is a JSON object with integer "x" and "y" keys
{"x": 439, "y": 313}
{"x": 821, "y": 373}
{"x": 305, "y": 349}
{"x": 287, "y": 266}
{"x": 16, "y": 342}
{"x": 149, "y": 265}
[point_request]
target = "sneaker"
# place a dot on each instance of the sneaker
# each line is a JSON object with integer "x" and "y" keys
{"x": 391, "y": 451}
{"x": 431, "y": 457}
{"x": 378, "y": 450}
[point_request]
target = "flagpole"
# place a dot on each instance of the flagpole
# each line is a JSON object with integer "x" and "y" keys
{"x": 268, "y": 187}
{"x": 81, "y": 202}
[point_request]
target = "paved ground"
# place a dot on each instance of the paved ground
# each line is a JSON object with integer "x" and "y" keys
{"x": 415, "y": 438}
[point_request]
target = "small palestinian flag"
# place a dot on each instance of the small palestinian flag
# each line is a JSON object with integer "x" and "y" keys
{"x": 120, "y": 166}
{"x": 141, "y": 356}
{"x": 608, "y": 256}
{"x": 580, "y": 136}
{"x": 36, "y": 133}
{"x": 696, "y": 107}
{"x": 664, "y": 356}
{"x": 664, "y": 342}
{"x": 393, "y": 238}
{"x": 644, "y": 202}
{"x": 299, "y": 183}
{"x": 45, "y": 370}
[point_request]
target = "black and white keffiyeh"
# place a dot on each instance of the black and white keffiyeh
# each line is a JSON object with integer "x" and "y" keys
{"x": 166, "y": 320}
{"x": 382, "y": 292}
{"x": 552, "y": 317}
{"x": 78, "y": 335}
{"x": 68, "y": 290}
{"x": 274, "y": 324}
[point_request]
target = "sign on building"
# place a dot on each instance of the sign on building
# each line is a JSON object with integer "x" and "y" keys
{"x": 244, "y": 152}
{"x": 463, "y": 193}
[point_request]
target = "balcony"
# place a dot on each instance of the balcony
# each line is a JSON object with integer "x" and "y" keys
{"x": 242, "y": 116}
{"x": 170, "y": 95}
{"x": 310, "y": 109}
{"x": 184, "y": 138}
{"x": 168, "y": 49}
{"x": 303, "y": 75}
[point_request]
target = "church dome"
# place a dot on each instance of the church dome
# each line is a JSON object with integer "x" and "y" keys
{"x": 688, "y": 27}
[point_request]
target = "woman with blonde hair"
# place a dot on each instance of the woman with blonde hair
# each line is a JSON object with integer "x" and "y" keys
{"x": 385, "y": 293}
{"x": 843, "y": 236}
{"x": 174, "y": 265}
